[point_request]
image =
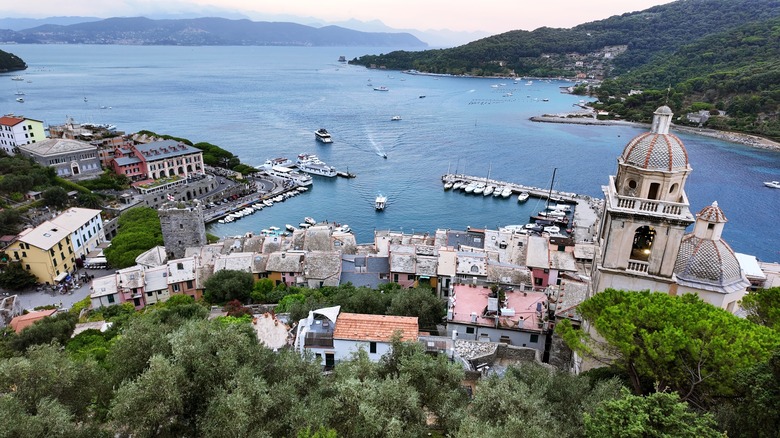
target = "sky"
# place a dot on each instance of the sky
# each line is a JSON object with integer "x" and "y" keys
{"x": 491, "y": 16}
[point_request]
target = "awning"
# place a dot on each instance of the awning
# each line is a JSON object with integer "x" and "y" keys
{"x": 60, "y": 277}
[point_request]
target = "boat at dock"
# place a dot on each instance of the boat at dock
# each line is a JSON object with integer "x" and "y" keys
{"x": 523, "y": 196}
{"x": 380, "y": 203}
{"x": 309, "y": 163}
{"x": 309, "y": 220}
{"x": 448, "y": 185}
{"x": 488, "y": 191}
{"x": 506, "y": 192}
{"x": 478, "y": 189}
{"x": 276, "y": 162}
{"x": 289, "y": 228}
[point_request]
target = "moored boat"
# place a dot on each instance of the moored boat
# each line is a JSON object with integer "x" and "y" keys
{"x": 523, "y": 196}
{"x": 506, "y": 192}
{"x": 309, "y": 220}
{"x": 309, "y": 163}
{"x": 488, "y": 191}
{"x": 448, "y": 185}
{"x": 289, "y": 227}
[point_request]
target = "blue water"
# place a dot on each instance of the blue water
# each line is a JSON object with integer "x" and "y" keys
{"x": 265, "y": 102}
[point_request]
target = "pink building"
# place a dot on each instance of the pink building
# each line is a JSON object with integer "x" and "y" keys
{"x": 514, "y": 317}
{"x": 156, "y": 160}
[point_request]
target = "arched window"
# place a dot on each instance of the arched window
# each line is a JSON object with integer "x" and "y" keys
{"x": 643, "y": 244}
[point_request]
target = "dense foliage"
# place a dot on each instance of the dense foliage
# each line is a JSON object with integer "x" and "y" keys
{"x": 139, "y": 231}
{"x": 681, "y": 343}
{"x": 15, "y": 277}
{"x": 228, "y": 285}
{"x": 11, "y": 62}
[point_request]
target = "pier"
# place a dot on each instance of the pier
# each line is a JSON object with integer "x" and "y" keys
{"x": 536, "y": 192}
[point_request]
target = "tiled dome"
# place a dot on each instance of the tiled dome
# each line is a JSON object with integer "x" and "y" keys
{"x": 707, "y": 261}
{"x": 656, "y": 151}
{"x": 712, "y": 213}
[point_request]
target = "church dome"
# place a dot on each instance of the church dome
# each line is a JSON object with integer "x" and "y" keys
{"x": 707, "y": 262}
{"x": 657, "y": 149}
{"x": 712, "y": 213}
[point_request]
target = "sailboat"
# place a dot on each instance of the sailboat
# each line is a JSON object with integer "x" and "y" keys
{"x": 488, "y": 187}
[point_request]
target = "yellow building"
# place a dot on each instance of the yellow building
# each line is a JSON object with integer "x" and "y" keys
{"x": 46, "y": 251}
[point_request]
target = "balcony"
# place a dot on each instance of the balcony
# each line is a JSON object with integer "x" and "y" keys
{"x": 629, "y": 204}
{"x": 322, "y": 340}
{"x": 637, "y": 266}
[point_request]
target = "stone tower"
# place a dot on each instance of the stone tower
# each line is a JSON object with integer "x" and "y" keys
{"x": 182, "y": 226}
{"x": 646, "y": 212}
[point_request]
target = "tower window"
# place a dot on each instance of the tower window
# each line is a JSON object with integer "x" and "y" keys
{"x": 643, "y": 243}
{"x": 631, "y": 184}
{"x": 653, "y": 193}
{"x": 673, "y": 189}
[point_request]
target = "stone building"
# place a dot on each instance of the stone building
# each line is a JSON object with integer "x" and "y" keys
{"x": 70, "y": 158}
{"x": 182, "y": 226}
{"x": 642, "y": 243}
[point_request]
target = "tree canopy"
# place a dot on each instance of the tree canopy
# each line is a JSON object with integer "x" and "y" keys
{"x": 139, "y": 231}
{"x": 682, "y": 343}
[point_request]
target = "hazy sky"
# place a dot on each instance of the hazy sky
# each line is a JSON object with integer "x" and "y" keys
{"x": 492, "y": 16}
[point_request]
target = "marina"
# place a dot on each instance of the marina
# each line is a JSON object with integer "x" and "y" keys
{"x": 472, "y": 184}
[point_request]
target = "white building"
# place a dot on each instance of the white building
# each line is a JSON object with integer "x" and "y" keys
{"x": 334, "y": 336}
{"x": 104, "y": 292}
{"x": 85, "y": 226}
{"x": 69, "y": 158}
{"x": 16, "y": 131}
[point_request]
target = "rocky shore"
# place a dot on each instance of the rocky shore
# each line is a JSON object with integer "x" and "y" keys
{"x": 734, "y": 137}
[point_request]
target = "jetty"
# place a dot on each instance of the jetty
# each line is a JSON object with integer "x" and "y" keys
{"x": 536, "y": 192}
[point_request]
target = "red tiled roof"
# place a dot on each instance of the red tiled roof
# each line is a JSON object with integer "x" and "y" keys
{"x": 357, "y": 326}
{"x": 10, "y": 120}
{"x": 21, "y": 322}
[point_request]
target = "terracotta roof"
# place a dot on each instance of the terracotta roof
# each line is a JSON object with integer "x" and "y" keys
{"x": 10, "y": 121}
{"x": 357, "y": 326}
{"x": 23, "y": 321}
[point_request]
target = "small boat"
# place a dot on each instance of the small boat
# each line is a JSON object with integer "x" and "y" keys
{"x": 322, "y": 135}
{"x": 309, "y": 220}
{"x": 381, "y": 88}
{"x": 457, "y": 185}
{"x": 289, "y": 227}
{"x": 17, "y": 78}
{"x": 523, "y": 196}
{"x": 268, "y": 203}
{"x": 479, "y": 189}
{"x": 497, "y": 191}
{"x": 448, "y": 185}
{"x": 395, "y": 118}
{"x": 19, "y": 93}
{"x": 506, "y": 192}
{"x": 20, "y": 99}
{"x": 279, "y": 198}
{"x": 342, "y": 229}
{"x": 274, "y": 228}
{"x": 772, "y": 184}
{"x": 552, "y": 229}
{"x": 304, "y": 225}
{"x": 488, "y": 191}
{"x": 380, "y": 203}
{"x": 422, "y": 96}
{"x": 470, "y": 188}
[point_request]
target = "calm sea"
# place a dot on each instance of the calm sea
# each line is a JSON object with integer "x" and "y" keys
{"x": 265, "y": 102}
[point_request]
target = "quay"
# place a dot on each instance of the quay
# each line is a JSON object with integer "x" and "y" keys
{"x": 536, "y": 192}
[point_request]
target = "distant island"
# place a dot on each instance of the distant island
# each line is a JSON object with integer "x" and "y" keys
{"x": 205, "y": 32}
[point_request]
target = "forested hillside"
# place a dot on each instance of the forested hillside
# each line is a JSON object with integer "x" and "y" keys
{"x": 11, "y": 62}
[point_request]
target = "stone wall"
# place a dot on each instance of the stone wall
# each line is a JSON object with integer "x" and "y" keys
{"x": 182, "y": 227}
{"x": 561, "y": 356}
{"x": 519, "y": 354}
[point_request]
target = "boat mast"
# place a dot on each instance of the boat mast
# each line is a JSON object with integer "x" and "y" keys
{"x": 549, "y": 195}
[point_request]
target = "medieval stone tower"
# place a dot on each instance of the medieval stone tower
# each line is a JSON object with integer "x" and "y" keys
{"x": 182, "y": 226}
{"x": 646, "y": 212}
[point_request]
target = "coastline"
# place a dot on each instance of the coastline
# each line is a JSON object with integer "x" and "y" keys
{"x": 729, "y": 136}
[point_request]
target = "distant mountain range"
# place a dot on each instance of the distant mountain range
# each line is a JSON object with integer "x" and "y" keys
{"x": 204, "y": 32}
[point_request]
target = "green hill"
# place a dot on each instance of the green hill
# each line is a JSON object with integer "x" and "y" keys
{"x": 11, "y": 62}
{"x": 710, "y": 54}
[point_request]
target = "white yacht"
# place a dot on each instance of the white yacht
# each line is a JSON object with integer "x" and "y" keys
{"x": 309, "y": 163}
{"x": 470, "y": 187}
{"x": 772, "y": 184}
{"x": 478, "y": 189}
{"x": 276, "y": 162}
{"x": 506, "y": 192}
{"x": 523, "y": 196}
{"x": 323, "y": 135}
{"x": 488, "y": 191}
{"x": 380, "y": 203}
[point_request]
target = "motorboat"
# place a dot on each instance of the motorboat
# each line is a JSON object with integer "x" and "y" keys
{"x": 302, "y": 189}
{"x": 276, "y": 162}
{"x": 457, "y": 185}
{"x": 342, "y": 229}
{"x": 772, "y": 184}
{"x": 17, "y": 78}
{"x": 279, "y": 198}
{"x": 395, "y": 118}
{"x": 506, "y": 192}
{"x": 552, "y": 229}
{"x": 309, "y": 163}
{"x": 523, "y": 196}
{"x": 274, "y": 228}
{"x": 479, "y": 189}
{"x": 20, "y": 99}
{"x": 488, "y": 191}
{"x": 381, "y": 88}
{"x": 323, "y": 135}
{"x": 470, "y": 188}
{"x": 380, "y": 203}
{"x": 497, "y": 191}
{"x": 448, "y": 185}
{"x": 268, "y": 203}
{"x": 289, "y": 227}
{"x": 309, "y": 220}
{"x": 304, "y": 225}
{"x": 257, "y": 206}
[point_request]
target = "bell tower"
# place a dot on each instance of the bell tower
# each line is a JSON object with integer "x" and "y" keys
{"x": 646, "y": 212}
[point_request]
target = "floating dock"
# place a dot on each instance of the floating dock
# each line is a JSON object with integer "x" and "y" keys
{"x": 536, "y": 192}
